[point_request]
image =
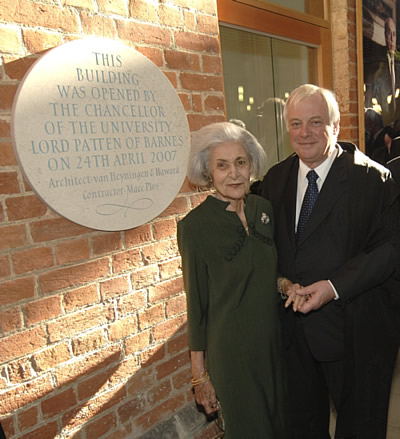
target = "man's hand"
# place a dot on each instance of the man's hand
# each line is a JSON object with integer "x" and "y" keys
{"x": 316, "y": 296}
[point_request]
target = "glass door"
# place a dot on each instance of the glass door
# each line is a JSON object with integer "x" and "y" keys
{"x": 259, "y": 73}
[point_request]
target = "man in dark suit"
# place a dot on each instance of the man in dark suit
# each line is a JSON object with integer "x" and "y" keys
{"x": 344, "y": 339}
{"x": 382, "y": 77}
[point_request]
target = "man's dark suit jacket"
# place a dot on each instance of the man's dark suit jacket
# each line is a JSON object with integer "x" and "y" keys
{"x": 347, "y": 241}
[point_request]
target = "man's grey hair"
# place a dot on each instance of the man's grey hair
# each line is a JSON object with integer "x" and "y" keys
{"x": 308, "y": 90}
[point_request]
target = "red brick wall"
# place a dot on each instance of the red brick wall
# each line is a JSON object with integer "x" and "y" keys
{"x": 92, "y": 324}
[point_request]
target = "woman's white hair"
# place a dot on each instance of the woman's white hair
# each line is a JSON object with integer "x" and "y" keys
{"x": 308, "y": 90}
{"x": 215, "y": 134}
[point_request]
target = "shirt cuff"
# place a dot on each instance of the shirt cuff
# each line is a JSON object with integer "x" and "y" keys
{"x": 334, "y": 290}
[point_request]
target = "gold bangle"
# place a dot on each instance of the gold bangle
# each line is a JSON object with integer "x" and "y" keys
{"x": 203, "y": 379}
{"x": 281, "y": 287}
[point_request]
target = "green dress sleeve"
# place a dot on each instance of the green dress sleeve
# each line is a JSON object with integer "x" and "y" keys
{"x": 194, "y": 270}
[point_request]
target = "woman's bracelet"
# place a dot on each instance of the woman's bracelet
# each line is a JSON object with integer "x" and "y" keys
{"x": 281, "y": 281}
{"x": 203, "y": 379}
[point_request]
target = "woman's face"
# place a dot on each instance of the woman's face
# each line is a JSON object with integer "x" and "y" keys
{"x": 230, "y": 171}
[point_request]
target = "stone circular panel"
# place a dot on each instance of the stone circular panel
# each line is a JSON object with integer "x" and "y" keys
{"x": 101, "y": 134}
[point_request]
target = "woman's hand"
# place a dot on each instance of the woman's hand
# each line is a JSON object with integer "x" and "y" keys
{"x": 204, "y": 391}
{"x": 205, "y": 396}
{"x": 294, "y": 299}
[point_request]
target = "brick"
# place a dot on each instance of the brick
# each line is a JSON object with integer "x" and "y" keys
{"x": 8, "y": 426}
{"x": 20, "y": 371}
{"x": 137, "y": 342}
{"x": 43, "y": 309}
{"x": 90, "y": 364}
{"x": 144, "y": 277}
{"x": 178, "y": 206}
{"x": 153, "y": 54}
{"x": 182, "y": 378}
{"x": 160, "y": 251}
{"x": 164, "y": 229}
{"x": 78, "y": 416}
{"x": 151, "y": 316}
{"x": 95, "y": 384}
{"x": 107, "y": 243}
{"x": 159, "y": 392}
{"x": 135, "y": 406}
{"x": 170, "y": 268}
{"x": 7, "y": 156}
{"x": 207, "y": 24}
{"x": 165, "y": 289}
{"x": 72, "y": 251}
{"x": 5, "y": 267}
{"x": 138, "y": 235}
{"x": 126, "y": 261}
{"x": 92, "y": 23}
{"x": 113, "y": 7}
{"x": 73, "y": 324}
{"x": 182, "y": 60}
{"x": 15, "y": 290}
{"x": 5, "y": 130}
{"x": 170, "y": 16}
{"x": 102, "y": 426}
{"x": 198, "y": 82}
{"x": 197, "y": 103}
{"x": 38, "y": 15}
{"x": 177, "y": 343}
{"x": 211, "y": 64}
{"x": 51, "y": 357}
{"x": 72, "y": 276}
{"x": 55, "y": 228}
{"x": 10, "y": 40}
{"x": 8, "y": 181}
{"x": 196, "y": 42}
{"x": 7, "y": 93}
{"x": 122, "y": 432}
{"x": 79, "y": 297}
{"x": 153, "y": 355}
{"x": 169, "y": 367}
{"x": 158, "y": 413}
{"x": 22, "y": 343}
{"x": 167, "y": 329}
{"x": 131, "y": 302}
{"x": 19, "y": 208}
{"x": 88, "y": 342}
{"x": 186, "y": 101}
{"x": 122, "y": 328}
{"x": 27, "y": 418}
{"x": 58, "y": 403}
{"x": 32, "y": 259}
{"x": 17, "y": 69}
{"x": 38, "y": 40}
{"x": 214, "y": 103}
{"x": 189, "y": 19}
{"x": 197, "y": 121}
{"x": 49, "y": 430}
{"x": 10, "y": 320}
{"x": 84, "y": 4}
{"x": 173, "y": 78}
{"x": 149, "y": 34}
{"x": 197, "y": 199}
{"x": 116, "y": 286}
{"x": 143, "y": 10}
{"x": 175, "y": 306}
{"x": 124, "y": 372}
{"x": 207, "y": 6}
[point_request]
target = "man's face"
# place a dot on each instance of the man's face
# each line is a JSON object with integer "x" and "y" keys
{"x": 390, "y": 35}
{"x": 312, "y": 136}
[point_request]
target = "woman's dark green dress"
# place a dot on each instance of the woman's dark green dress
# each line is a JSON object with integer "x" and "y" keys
{"x": 230, "y": 283}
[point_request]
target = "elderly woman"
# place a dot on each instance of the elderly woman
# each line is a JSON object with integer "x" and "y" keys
{"x": 229, "y": 269}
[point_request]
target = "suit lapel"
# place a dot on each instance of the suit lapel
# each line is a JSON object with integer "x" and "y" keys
{"x": 289, "y": 199}
{"x": 331, "y": 191}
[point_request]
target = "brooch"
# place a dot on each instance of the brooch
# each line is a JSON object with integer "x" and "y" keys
{"x": 264, "y": 218}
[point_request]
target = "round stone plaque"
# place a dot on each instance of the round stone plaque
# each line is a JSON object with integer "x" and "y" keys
{"x": 101, "y": 134}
